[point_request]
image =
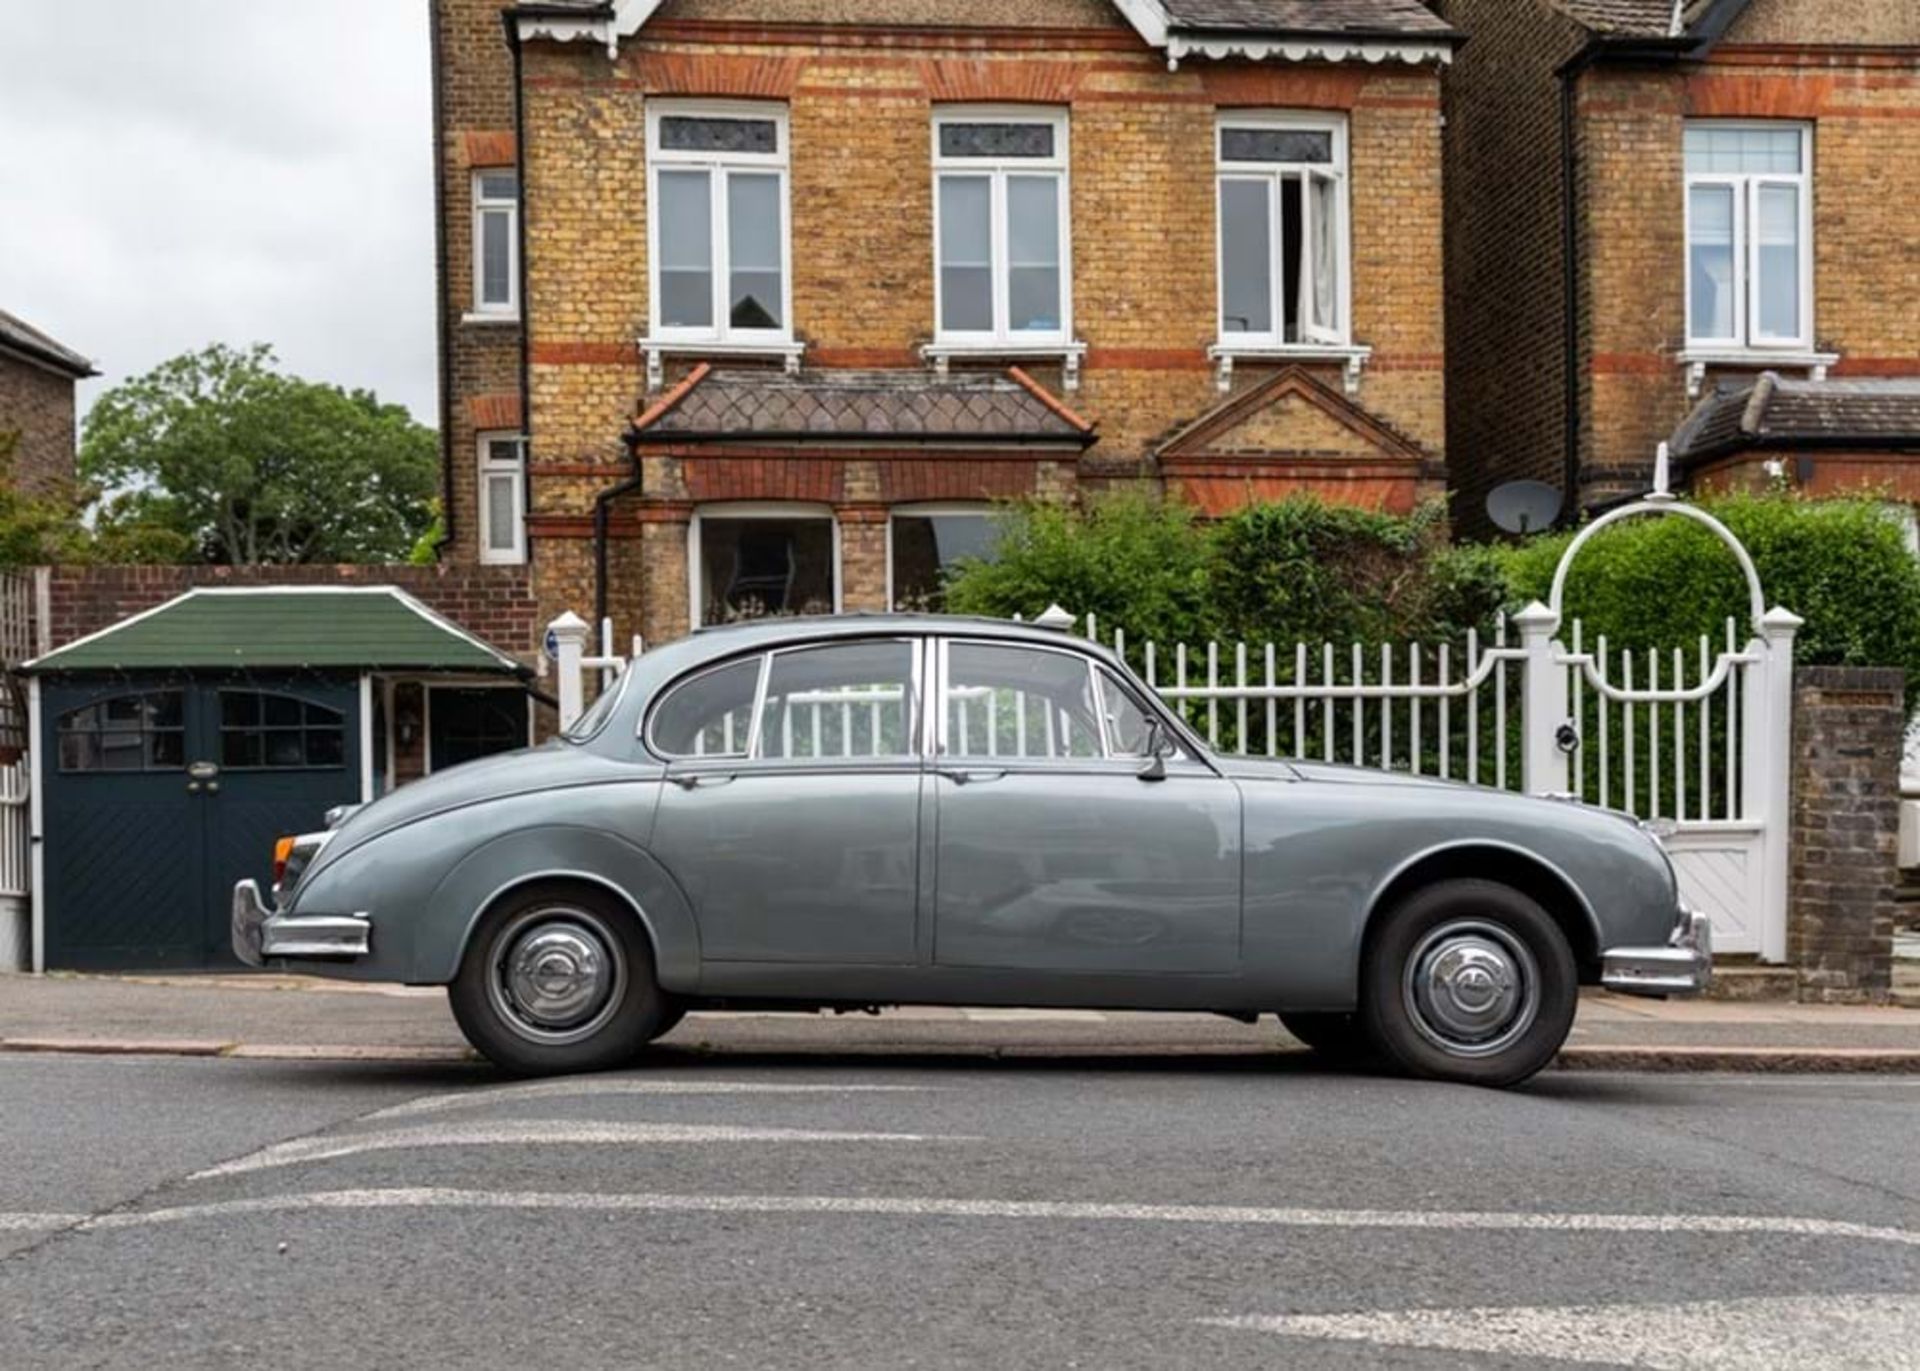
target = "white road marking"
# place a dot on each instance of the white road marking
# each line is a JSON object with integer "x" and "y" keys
{"x": 1063, "y": 1210}
{"x": 539, "y": 1132}
{"x": 38, "y": 1223}
{"x": 1829, "y": 1331}
{"x": 541, "y": 1090}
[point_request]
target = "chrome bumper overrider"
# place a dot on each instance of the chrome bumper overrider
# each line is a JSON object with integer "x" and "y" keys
{"x": 1682, "y": 967}
{"x": 259, "y": 934}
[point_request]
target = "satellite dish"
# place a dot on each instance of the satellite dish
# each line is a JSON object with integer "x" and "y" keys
{"x": 1524, "y": 506}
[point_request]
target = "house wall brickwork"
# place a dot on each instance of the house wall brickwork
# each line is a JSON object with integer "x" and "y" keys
{"x": 1848, "y": 727}
{"x": 38, "y": 405}
{"x": 1847, "y": 69}
{"x": 860, "y": 81}
{"x": 474, "y": 124}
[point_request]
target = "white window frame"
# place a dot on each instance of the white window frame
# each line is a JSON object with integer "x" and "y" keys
{"x": 949, "y": 509}
{"x": 485, "y": 208}
{"x": 719, "y": 166}
{"x": 1746, "y": 187}
{"x": 1336, "y": 173}
{"x": 491, "y": 469}
{"x": 997, "y": 170}
{"x": 795, "y": 510}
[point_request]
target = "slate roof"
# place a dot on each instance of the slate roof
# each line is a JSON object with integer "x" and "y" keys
{"x": 17, "y": 335}
{"x": 373, "y": 628}
{"x": 905, "y": 406}
{"x": 1771, "y": 411}
{"x": 1307, "y": 16}
{"x": 1634, "y": 18}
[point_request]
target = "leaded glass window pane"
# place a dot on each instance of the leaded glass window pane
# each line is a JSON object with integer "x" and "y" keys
{"x": 996, "y": 140}
{"x": 682, "y": 133}
{"x": 1276, "y": 145}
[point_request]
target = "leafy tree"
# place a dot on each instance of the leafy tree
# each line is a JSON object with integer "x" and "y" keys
{"x": 41, "y": 529}
{"x": 248, "y": 465}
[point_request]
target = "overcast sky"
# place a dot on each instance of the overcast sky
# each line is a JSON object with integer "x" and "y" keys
{"x": 182, "y": 172}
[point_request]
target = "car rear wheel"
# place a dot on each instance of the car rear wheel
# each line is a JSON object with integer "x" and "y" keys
{"x": 1337, "y": 1037}
{"x": 1469, "y": 981}
{"x": 558, "y": 979}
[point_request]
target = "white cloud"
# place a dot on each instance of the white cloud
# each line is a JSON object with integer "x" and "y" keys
{"x": 174, "y": 174}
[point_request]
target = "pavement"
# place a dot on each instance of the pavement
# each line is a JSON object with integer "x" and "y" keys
{"x": 852, "y": 1210}
{"x": 295, "y": 1018}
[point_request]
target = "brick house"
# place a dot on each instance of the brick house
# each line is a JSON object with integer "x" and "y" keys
{"x": 755, "y": 305}
{"x": 1660, "y": 207}
{"x": 37, "y": 377}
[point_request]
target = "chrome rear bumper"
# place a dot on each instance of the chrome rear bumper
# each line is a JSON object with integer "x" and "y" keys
{"x": 260, "y": 935}
{"x": 1683, "y": 967}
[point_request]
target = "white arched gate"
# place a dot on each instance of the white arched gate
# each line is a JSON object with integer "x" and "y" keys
{"x": 1708, "y": 753}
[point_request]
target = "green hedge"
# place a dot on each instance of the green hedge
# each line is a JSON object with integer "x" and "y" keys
{"x": 1300, "y": 570}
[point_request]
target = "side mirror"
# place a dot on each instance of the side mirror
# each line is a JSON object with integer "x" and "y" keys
{"x": 1159, "y": 748}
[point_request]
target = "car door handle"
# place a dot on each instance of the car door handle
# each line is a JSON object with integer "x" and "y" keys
{"x": 700, "y": 782}
{"x": 971, "y": 777}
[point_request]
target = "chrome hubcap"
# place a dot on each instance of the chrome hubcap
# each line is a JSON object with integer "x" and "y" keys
{"x": 558, "y": 975}
{"x": 1472, "y": 988}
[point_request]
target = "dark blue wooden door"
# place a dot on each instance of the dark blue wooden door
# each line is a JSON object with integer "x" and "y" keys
{"x": 161, "y": 794}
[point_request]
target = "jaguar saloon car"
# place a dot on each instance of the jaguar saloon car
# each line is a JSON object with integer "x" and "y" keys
{"x": 879, "y": 810}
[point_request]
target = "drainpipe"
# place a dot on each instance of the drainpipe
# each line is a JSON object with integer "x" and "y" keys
{"x": 444, "y": 329}
{"x": 526, "y": 305}
{"x": 602, "y": 510}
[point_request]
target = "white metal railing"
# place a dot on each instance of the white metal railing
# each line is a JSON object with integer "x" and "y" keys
{"x": 15, "y": 871}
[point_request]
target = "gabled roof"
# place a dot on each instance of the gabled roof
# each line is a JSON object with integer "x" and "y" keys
{"x": 357, "y": 628}
{"x": 1211, "y": 436}
{"x": 1699, "y": 20}
{"x": 1771, "y": 411}
{"x": 1323, "y": 30}
{"x": 17, "y": 335}
{"x": 964, "y": 409}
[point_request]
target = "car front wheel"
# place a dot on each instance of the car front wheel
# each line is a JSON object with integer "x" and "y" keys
{"x": 1469, "y": 981}
{"x": 558, "y": 979}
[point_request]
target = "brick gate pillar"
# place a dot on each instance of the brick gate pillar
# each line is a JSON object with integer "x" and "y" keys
{"x": 1848, "y": 727}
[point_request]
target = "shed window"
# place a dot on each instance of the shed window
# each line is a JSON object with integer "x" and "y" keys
{"x": 145, "y": 732}
{"x": 260, "y": 731}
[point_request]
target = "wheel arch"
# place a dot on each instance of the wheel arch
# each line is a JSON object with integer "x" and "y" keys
{"x": 1480, "y": 859}
{"x": 585, "y": 857}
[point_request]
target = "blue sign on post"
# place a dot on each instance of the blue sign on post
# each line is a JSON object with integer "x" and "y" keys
{"x": 553, "y": 646}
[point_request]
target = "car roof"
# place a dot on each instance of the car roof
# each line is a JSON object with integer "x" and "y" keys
{"x": 724, "y": 639}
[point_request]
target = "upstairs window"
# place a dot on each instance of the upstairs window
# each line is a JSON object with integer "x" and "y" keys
{"x": 1002, "y": 245}
{"x": 503, "y": 498}
{"x": 1749, "y": 235}
{"x": 1283, "y": 231}
{"x": 720, "y": 235}
{"x": 496, "y": 243}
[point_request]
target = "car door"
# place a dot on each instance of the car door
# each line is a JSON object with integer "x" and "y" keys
{"x": 1058, "y": 850}
{"x": 791, "y": 810}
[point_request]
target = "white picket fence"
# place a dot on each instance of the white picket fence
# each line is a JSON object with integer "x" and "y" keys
{"x": 16, "y": 777}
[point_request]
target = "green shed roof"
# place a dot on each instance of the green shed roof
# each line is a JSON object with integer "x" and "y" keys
{"x": 360, "y": 628}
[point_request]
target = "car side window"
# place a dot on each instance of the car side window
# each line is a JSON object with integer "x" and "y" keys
{"x": 846, "y": 701}
{"x": 709, "y": 715}
{"x": 1126, "y": 718}
{"x": 1018, "y": 702}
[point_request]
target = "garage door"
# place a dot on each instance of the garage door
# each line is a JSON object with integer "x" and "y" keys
{"x": 161, "y": 794}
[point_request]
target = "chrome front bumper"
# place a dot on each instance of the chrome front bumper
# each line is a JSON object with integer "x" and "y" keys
{"x": 1682, "y": 967}
{"x": 260, "y": 935}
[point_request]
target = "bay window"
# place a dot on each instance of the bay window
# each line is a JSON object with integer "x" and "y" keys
{"x": 496, "y": 243}
{"x": 763, "y": 561}
{"x": 1283, "y": 254}
{"x": 1002, "y": 242}
{"x": 720, "y": 254}
{"x": 925, "y": 543}
{"x": 1749, "y": 235}
{"x": 503, "y": 498}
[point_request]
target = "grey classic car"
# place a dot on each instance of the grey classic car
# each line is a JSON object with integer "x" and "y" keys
{"x": 865, "y": 810}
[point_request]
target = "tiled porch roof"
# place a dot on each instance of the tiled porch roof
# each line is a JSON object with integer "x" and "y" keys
{"x": 1773, "y": 412}
{"x": 918, "y": 407}
{"x": 1307, "y": 16}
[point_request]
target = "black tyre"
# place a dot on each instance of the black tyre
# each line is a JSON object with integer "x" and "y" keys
{"x": 1469, "y": 981}
{"x": 558, "y": 979}
{"x": 1338, "y": 1037}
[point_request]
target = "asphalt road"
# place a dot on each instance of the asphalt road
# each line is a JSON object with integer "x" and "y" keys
{"x": 933, "y": 1212}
